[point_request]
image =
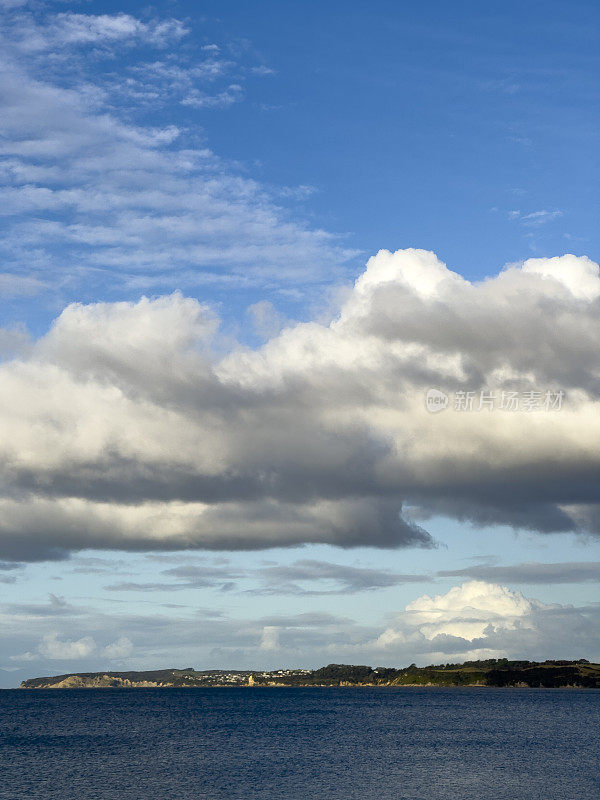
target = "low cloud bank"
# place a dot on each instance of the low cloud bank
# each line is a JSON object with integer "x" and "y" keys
{"x": 470, "y": 621}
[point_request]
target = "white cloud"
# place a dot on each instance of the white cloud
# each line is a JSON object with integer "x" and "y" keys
{"x": 121, "y": 428}
{"x": 270, "y": 638}
{"x": 13, "y": 341}
{"x": 579, "y": 274}
{"x": 68, "y": 29}
{"x": 92, "y": 199}
{"x": 121, "y": 648}
{"x": 263, "y": 70}
{"x": 466, "y": 611}
{"x": 485, "y": 620}
{"x": 158, "y": 83}
{"x": 52, "y": 647}
{"x": 229, "y": 96}
{"x": 19, "y": 286}
{"x": 535, "y": 218}
{"x": 265, "y": 319}
{"x": 56, "y": 649}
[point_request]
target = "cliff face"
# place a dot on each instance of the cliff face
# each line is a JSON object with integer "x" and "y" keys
{"x": 96, "y": 682}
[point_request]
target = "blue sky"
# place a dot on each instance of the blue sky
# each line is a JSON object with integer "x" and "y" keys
{"x": 253, "y": 158}
{"x": 471, "y": 134}
{"x": 429, "y": 124}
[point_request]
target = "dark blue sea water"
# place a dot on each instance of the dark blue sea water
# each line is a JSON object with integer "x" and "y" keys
{"x": 300, "y": 744}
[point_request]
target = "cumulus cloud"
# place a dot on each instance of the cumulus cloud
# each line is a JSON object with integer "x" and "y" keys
{"x": 265, "y": 319}
{"x": 270, "y": 638}
{"x": 486, "y": 620}
{"x": 121, "y": 648}
{"x": 464, "y": 612}
{"x": 52, "y": 647}
{"x": 121, "y": 428}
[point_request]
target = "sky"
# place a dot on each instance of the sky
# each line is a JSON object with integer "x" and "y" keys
{"x": 299, "y": 311}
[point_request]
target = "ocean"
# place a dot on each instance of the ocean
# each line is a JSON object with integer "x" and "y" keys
{"x": 300, "y": 744}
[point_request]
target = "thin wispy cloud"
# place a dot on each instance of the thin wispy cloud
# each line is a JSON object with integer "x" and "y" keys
{"x": 312, "y": 577}
{"x": 196, "y": 99}
{"x": 530, "y": 573}
{"x": 535, "y": 218}
{"x": 95, "y": 199}
{"x": 309, "y": 577}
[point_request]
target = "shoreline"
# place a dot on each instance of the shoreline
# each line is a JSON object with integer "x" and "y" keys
{"x": 305, "y": 686}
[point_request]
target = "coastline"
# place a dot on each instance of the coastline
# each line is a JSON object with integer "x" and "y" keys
{"x": 492, "y": 673}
